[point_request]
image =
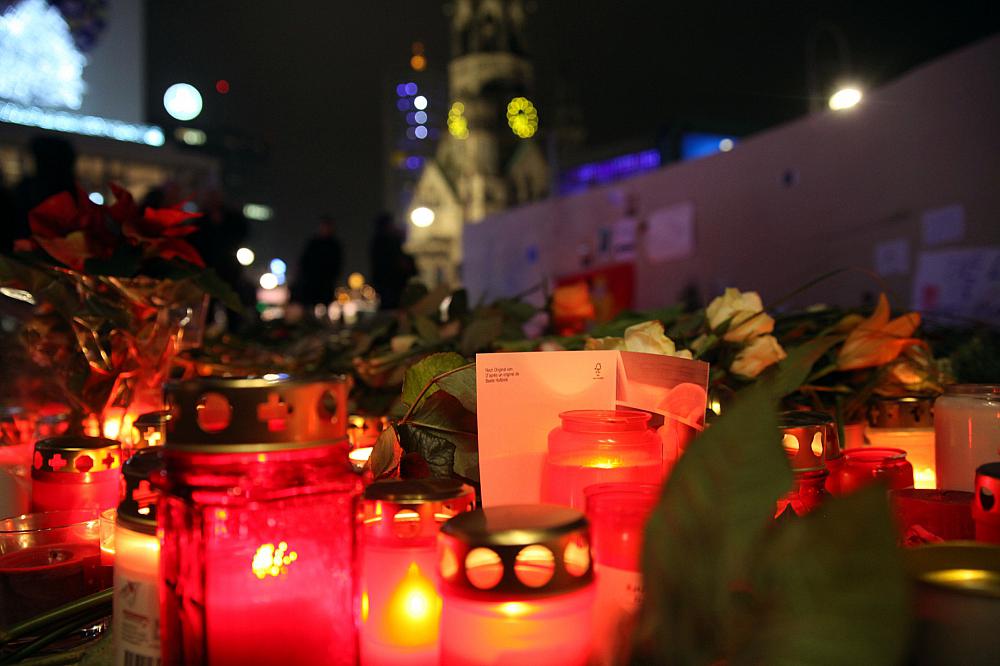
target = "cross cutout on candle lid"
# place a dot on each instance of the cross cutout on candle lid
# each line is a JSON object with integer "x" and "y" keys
{"x": 57, "y": 462}
{"x": 274, "y": 412}
{"x": 108, "y": 460}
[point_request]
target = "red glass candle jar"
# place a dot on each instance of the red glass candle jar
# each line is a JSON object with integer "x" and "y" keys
{"x": 517, "y": 587}
{"x": 599, "y": 446}
{"x": 257, "y": 522}
{"x": 986, "y": 503}
{"x": 47, "y": 560}
{"x": 400, "y": 603}
{"x": 867, "y": 465}
{"x": 810, "y": 439}
{"x": 928, "y": 516}
{"x": 76, "y": 473}
{"x": 617, "y": 513}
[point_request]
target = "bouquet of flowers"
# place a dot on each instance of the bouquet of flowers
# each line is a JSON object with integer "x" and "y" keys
{"x": 112, "y": 288}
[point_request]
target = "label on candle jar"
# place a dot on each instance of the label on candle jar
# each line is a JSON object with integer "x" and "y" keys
{"x": 621, "y": 587}
{"x": 136, "y": 621}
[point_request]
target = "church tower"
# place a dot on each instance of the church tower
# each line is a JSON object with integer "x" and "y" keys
{"x": 489, "y": 160}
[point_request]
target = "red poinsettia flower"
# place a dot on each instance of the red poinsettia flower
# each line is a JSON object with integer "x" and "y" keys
{"x": 71, "y": 230}
{"x": 158, "y": 230}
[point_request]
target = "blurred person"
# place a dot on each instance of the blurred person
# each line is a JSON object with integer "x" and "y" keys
{"x": 7, "y": 218}
{"x": 392, "y": 267}
{"x": 55, "y": 166}
{"x": 319, "y": 266}
{"x": 222, "y": 230}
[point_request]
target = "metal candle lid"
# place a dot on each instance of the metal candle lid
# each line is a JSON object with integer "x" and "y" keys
{"x": 137, "y": 509}
{"x": 253, "y": 414}
{"x": 809, "y": 438}
{"x": 151, "y": 428}
{"x": 76, "y": 455}
{"x": 530, "y": 550}
{"x": 908, "y": 411}
{"x": 413, "y": 508}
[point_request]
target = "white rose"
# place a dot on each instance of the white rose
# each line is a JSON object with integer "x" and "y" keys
{"x": 650, "y": 338}
{"x": 760, "y": 353}
{"x": 745, "y": 313}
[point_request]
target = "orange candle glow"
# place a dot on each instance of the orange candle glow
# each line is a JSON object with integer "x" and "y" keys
{"x": 359, "y": 457}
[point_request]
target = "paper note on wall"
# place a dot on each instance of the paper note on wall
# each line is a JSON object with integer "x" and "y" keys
{"x": 520, "y": 396}
{"x": 963, "y": 282}
{"x": 670, "y": 233}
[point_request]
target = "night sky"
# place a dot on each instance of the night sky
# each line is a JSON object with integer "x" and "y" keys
{"x": 307, "y": 78}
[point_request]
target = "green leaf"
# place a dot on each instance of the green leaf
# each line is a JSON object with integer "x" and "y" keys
{"x": 123, "y": 263}
{"x": 481, "y": 333}
{"x": 386, "y": 454}
{"x": 459, "y": 306}
{"x": 462, "y": 386}
{"x": 716, "y": 505}
{"x": 467, "y": 464}
{"x": 445, "y": 417}
{"x": 438, "y": 452}
{"x": 833, "y": 588}
{"x": 426, "y": 329}
{"x": 419, "y": 375}
{"x": 216, "y": 287}
{"x": 412, "y": 294}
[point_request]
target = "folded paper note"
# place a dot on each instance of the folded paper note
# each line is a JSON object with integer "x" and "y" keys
{"x": 520, "y": 397}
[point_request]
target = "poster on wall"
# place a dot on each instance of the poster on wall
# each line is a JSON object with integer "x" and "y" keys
{"x": 670, "y": 233}
{"x": 962, "y": 282}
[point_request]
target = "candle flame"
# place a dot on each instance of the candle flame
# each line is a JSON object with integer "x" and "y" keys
{"x": 604, "y": 463}
{"x": 514, "y": 608}
{"x": 924, "y": 477}
{"x": 271, "y": 561}
{"x": 414, "y": 611}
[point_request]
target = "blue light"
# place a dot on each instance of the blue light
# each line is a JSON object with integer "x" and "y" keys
{"x": 401, "y": 90}
{"x": 410, "y": 134}
{"x": 403, "y": 104}
{"x": 410, "y": 88}
{"x": 701, "y": 144}
{"x": 411, "y": 118}
{"x": 607, "y": 171}
{"x": 278, "y": 267}
{"x": 421, "y": 117}
{"x": 413, "y": 162}
{"x": 420, "y": 132}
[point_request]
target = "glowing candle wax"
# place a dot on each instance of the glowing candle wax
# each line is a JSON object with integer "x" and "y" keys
{"x": 906, "y": 423}
{"x": 75, "y": 473}
{"x": 401, "y": 607}
{"x": 517, "y": 587}
{"x": 599, "y": 446}
{"x": 257, "y": 518}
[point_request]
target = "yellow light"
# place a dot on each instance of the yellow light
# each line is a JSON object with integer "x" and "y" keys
{"x": 413, "y": 612}
{"x": 845, "y": 98}
{"x": 604, "y": 463}
{"x": 364, "y": 606}
{"x": 271, "y": 561}
{"x": 514, "y": 608}
{"x": 522, "y": 117}
{"x": 458, "y": 126}
{"x": 355, "y": 280}
{"x": 418, "y": 63}
{"x": 924, "y": 477}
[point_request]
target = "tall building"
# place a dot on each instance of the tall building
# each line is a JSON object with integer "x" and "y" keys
{"x": 489, "y": 158}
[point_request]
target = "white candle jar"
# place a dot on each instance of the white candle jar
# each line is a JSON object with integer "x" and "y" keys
{"x": 400, "y": 602}
{"x": 906, "y": 423}
{"x": 517, "y": 586}
{"x": 967, "y": 433}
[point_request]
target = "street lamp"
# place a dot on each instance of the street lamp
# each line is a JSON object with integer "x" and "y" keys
{"x": 422, "y": 217}
{"x": 845, "y": 98}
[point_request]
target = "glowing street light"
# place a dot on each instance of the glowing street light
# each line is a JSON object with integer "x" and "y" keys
{"x": 845, "y": 98}
{"x": 182, "y": 101}
{"x": 268, "y": 281}
{"x": 422, "y": 217}
{"x": 245, "y": 256}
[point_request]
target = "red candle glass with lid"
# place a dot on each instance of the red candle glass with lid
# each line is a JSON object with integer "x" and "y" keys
{"x": 517, "y": 584}
{"x": 76, "y": 473}
{"x": 400, "y": 603}
{"x": 864, "y": 466}
{"x": 986, "y": 503}
{"x": 256, "y": 516}
{"x": 599, "y": 446}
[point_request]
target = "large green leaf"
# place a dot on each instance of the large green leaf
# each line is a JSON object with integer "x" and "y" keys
{"x": 467, "y": 464}
{"x": 481, "y": 333}
{"x": 832, "y": 588}
{"x": 462, "y": 386}
{"x": 426, "y": 329}
{"x": 792, "y": 371}
{"x": 438, "y": 452}
{"x": 702, "y": 537}
{"x": 386, "y": 454}
{"x": 444, "y": 416}
{"x": 419, "y": 375}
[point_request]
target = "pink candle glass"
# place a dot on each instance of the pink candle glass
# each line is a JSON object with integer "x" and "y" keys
{"x": 400, "y": 602}
{"x": 864, "y": 466}
{"x": 599, "y": 446}
{"x": 76, "y": 473}
{"x": 928, "y": 516}
{"x": 617, "y": 513}
{"x": 257, "y": 523}
{"x": 48, "y": 560}
{"x": 517, "y": 587}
